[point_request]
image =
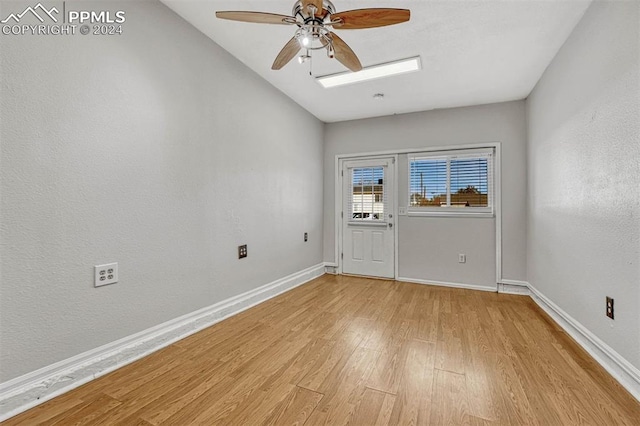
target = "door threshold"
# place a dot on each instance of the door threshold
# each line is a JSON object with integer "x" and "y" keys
{"x": 368, "y": 276}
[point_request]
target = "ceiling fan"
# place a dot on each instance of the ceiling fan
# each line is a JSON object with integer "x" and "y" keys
{"x": 315, "y": 19}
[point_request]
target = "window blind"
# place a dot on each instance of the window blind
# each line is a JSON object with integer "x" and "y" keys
{"x": 453, "y": 180}
{"x": 428, "y": 177}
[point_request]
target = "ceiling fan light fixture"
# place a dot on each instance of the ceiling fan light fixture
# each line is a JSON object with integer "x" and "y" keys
{"x": 305, "y": 40}
{"x": 308, "y": 37}
{"x": 373, "y": 72}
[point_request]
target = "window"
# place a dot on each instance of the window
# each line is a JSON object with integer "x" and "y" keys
{"x": 452, "y": 182}
{"x": 367, "y": 194}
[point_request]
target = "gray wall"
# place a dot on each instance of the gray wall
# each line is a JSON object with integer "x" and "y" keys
{"x": 419, "y": 257}
{"x": 584, "y": 176}
{"x": 155, "y": 149}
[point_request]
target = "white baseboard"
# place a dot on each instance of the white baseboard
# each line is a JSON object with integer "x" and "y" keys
{"x": 446, "y": 284}
{"x": 27, "y": 391}
{"x": 621, "y": 369}
{"x": 514, "y": 287}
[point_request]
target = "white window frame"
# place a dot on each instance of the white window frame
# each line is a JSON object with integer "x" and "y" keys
{"x": 449, "y": 211}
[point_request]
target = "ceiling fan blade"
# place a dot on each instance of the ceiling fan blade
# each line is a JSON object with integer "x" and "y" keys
{"x": 288, "y": 52}
{"x": 257, "y": 17}
{"x": 369, "y": 18}
{"x": 344, "y": 54}
{"x": 316, "y": 3}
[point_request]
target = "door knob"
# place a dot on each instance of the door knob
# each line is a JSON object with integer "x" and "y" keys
{"x": 390, "y": 225}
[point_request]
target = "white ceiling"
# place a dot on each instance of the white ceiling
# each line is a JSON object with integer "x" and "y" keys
{"x": 473, "y": 51}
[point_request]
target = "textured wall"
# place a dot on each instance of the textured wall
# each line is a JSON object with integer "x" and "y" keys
{"x": 505, "y": 123}
{"x": 584, "y": 176}
{"x": 155, "y": 149}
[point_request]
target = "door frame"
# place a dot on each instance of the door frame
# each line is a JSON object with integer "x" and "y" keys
{"x": 340, "y": 158}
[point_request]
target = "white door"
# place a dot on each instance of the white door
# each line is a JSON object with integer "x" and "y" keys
{"x": 367, "y": 217}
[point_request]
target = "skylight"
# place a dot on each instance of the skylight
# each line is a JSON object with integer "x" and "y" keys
{"x": 373, "y": 72}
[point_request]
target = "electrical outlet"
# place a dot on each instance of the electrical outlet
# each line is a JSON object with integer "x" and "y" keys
{"x": 306, "y": 237}
{"x": 402, "y": 211}
{"x": 462, "y": 258}
{"x": 242, "y": 251}
{"x": 610, "y": 307}
{"x": 105, "y": 274}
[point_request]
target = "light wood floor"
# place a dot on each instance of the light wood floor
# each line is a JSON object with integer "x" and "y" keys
{"x": 364, "y": 352}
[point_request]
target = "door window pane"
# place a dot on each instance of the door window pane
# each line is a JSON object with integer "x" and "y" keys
{"x": 367, "y": 193}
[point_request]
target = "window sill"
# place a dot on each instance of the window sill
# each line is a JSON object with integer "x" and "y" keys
{"x": 450, "y": 213}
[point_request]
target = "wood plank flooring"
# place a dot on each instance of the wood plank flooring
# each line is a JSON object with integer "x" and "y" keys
{"x": 347, "y": 350}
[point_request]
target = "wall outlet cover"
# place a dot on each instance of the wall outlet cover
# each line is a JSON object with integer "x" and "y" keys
{"x": 610, "y": 312}
{"x": 242, "y": 251}
{"x": 105, "y": 274}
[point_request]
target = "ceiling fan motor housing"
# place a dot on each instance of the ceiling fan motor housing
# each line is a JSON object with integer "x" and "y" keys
{"x": 299, "y": 10}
